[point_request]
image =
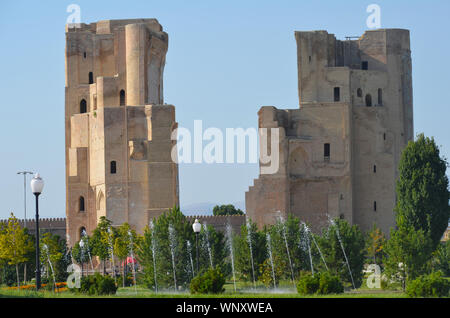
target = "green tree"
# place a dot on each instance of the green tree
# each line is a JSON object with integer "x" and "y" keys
{"x": 101, "y": 241}
{"x": 227, "y": 209}
{"x": 441, "y": 258}
{"x": 14, "y": 244}
{"x": 353, "y": 242}
{"x": 81, "y": 251}
{"x": 146, "y": 255}
{"x": 422, "y": 189}
{"x": 407, "y": 254}
{"x": 375, "y": 243}
{"x": 242, "y": 257}
{"x": 125, "y": 240}
{"x": 54, "y": 249}
{"x": 166, "y": 243}
{"x": 289, "y": 232}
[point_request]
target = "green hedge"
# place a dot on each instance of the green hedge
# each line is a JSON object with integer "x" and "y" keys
{"x": 321, "y": 283}
{"x": 432, "y": 285}
{"x": 211, "y": 282}
{"x": 98, "y": 285}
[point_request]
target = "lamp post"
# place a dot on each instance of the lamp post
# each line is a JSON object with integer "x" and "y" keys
{"x": 82, "y": 254}
{"x": 37, "y": 184}
{"x": 197, "y": 228}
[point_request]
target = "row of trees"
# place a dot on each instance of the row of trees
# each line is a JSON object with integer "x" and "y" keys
{"x": 167, "y": 248}
{"x": 17, "y": 252}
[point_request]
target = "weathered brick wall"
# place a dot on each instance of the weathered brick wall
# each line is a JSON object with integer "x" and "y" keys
{"x": 58, "y": 225}
{"x": 54, "y": 225}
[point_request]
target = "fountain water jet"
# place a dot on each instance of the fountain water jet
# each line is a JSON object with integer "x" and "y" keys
{"x": 85, "y": 238}
{"x": 283, "y": 226}
{"x": 189, "y": 249}
{"x": 132, "y": 260}
{"x": 230, "y": 246}
{"x": 205, "y": 229}
{"x": 172, "y": 243}
{"x": 154, "y": 253}
{"x": 343, "y": 250}
{"x": 249, "y": 239}
{"x": 111, "y": 248}
{"x": 50, "y": 264}
{"x": 318, "y": 248}
{"x": 269, "y": 249}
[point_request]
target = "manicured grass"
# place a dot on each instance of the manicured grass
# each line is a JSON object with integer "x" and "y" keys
{"x": 243, "y": 290}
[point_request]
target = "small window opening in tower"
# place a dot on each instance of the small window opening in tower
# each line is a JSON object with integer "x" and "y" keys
{"x": 326, "y": 152}
{"x": 82, "y": 231}
{"x": 368, "y": 100}
{"x": 374, "y": 168}
{"x": 359, "y": 92}
{"x": 81, "y": 204}
{"x": 310, "y": 59}
{"x": 365, "y": 65}
{"x": 384, "y": 136}
{"x": 380, "y": 97}
{"x": 91, "y": 78}
{"x": 122, "y": 97}
{"x": 337, "y": 94}
{"x": 84, "y": 54}
{"x": 83, "y": 106}
{"x": 113, "y": 167}
{"x": 374, "y": 205}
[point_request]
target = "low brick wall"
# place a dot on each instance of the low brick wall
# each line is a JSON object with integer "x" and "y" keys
{"x": 58, "y": 225}
{"x": 54, "y": 225}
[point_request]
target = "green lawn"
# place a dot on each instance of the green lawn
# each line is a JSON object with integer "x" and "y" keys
{"x": 243, "y": 290}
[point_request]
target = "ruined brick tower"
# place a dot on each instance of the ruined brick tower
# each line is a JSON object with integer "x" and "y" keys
{"x": 339, "y": 152}
{"x": 118, "y": 130}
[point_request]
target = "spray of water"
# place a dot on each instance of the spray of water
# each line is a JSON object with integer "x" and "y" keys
{"x": 130, "y": 235}
{"x": 269, "y": 250}
{"x": 308, "y": 246}
{"x": 172, "y": 241}
{"x": 208, "y": 246}
{"x": 343, "y": 249}
{"x": 283, "y": 228}
{"x": 189, "y": 249}
{"x": 86, "y": 240}
{"x": 50, "y": 263}
{"x": 308, "y": 232}
{"x": 249, "y": 239}
{"x": 154, "y": 254}
{"x": 230, "y": 246}
{"x": 111, "y": 250}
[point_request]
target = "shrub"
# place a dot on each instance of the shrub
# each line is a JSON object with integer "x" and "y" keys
{"x": 321, "y": 283}
{"x": 308, "y": 284}
{"x": 98, "y": 285}
{"x": 330, "y": 284}
{"x": 432, "y": 285}
{"x": 211, "y": 282}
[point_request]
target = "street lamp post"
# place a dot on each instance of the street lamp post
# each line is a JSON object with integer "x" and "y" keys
{"x": 37, "y": 184}
{"x": 82, "y": 254}
{"x": 197, "y": 228}
{"x": 25, "y": 195}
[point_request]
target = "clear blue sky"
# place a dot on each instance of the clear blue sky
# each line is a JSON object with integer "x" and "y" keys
{"x": 226, "y": 59}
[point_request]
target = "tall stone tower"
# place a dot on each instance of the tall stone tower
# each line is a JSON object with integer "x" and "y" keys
{"x": 339, "y": 152}
{"x": 118, "y": 129}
